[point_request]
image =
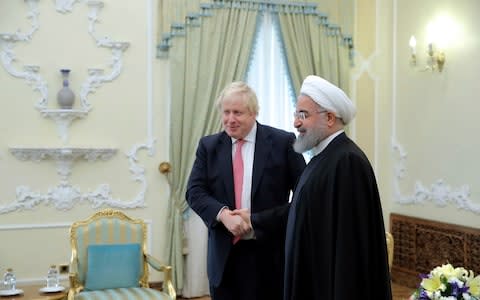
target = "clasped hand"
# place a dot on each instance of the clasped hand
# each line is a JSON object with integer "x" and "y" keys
{"x": 236, "y": 221}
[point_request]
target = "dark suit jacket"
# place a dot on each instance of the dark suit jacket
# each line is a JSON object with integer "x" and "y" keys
{"x": 276, "y": 168}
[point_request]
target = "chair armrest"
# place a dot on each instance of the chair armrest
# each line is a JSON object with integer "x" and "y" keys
{"x": 167, "y": 277}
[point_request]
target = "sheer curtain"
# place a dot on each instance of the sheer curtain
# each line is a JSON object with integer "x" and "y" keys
{"x": 268, "y": 76}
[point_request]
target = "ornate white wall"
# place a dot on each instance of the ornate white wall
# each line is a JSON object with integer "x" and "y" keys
{"x": 426, "y": 148}
{"x": 61, "y": 165}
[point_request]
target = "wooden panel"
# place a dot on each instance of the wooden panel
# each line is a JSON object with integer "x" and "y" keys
{"x": 421, "y": 245}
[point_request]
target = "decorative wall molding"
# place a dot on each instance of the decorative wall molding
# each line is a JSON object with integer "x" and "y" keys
{"x": 30, "y": 73}
{"x": 440, "y": 192}
{"x": 65, "y": 195}
{"x": 64, "y": 6}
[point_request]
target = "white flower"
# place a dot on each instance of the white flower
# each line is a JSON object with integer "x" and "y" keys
{"x": 446, "y": 277}
{"x": 445, "y": 270}
{"x": 449, "y": 271}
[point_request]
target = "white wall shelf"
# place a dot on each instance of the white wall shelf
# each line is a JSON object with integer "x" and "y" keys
{"x": 64, "y": 156}
{"x": 64, "y": 195}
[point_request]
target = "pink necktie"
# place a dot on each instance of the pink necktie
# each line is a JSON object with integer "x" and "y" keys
{"x": 238, "y": 177}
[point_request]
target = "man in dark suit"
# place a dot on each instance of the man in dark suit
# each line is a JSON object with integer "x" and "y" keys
{"x": 241, "y": 265}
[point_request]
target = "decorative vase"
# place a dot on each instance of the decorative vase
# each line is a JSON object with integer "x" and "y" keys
{"x": 65, "y": 96}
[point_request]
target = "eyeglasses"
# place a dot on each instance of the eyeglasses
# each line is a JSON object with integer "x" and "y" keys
{"x": 302, "y": 115}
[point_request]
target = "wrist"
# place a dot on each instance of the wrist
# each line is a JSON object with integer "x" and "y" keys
{"x": 223, "y": 213}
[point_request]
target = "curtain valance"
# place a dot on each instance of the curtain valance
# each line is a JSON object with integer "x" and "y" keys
{"x": 278, "y": 7}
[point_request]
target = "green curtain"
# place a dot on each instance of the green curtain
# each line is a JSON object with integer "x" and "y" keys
{"x": 202, "y": 62}
{"x": 313, "y": 47}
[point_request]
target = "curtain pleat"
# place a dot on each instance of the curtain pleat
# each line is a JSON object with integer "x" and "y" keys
{"x": 311, "y": 49}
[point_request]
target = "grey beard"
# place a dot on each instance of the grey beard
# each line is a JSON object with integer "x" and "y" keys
{"x": 311, "y": 139}
{"x": 305, "y": 143}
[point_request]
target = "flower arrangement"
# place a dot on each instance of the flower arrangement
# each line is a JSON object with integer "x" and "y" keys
{"x": 448, "y": 283}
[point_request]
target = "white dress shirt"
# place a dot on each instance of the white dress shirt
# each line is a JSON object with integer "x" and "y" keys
{"x": 248, "y": 151}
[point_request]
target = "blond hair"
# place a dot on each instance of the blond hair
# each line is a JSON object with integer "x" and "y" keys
{"x": 239, "y": 87}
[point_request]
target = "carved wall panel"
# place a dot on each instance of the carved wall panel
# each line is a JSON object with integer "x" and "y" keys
{"x": 421, "y": 245}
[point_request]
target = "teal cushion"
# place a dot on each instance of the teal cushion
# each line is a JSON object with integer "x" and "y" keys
{"x": 113, "y": 266}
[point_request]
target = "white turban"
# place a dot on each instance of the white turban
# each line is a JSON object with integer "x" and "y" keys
{"x": 329, "y": 97}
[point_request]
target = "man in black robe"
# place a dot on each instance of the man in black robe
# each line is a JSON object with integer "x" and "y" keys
{"x": 335, "y": 243}
{"x": 335, "y": 246}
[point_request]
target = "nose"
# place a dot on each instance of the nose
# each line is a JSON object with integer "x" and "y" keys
{"x": 297, "y": 122}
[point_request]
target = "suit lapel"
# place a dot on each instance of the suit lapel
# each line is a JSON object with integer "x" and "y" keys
{"x": 225, "y": 165}
{"x": 263, "y": 147}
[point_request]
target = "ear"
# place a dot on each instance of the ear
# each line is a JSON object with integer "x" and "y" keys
{"x": 331, "y": 119}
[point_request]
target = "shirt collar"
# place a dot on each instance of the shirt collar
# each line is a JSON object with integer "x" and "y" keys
{"x": 323, "y": 144}
{"x": 250, "y": 136}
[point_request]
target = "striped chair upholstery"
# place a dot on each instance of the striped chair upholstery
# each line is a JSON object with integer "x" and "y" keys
{"x": 113, "y": 227}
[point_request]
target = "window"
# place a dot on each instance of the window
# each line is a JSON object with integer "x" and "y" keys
{"x": 268, "y": 76}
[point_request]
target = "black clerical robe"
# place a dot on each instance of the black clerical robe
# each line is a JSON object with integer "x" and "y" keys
{"x": 335, "y": 244}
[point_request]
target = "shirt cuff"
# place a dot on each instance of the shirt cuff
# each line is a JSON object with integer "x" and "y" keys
{"x": 219, "y": 212}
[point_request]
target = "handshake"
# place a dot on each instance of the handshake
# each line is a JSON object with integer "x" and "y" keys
{"x": 236, "y": 221}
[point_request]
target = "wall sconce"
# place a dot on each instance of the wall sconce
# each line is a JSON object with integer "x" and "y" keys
{"x": 441, "y": 32}
{"x": 435, "y": 58}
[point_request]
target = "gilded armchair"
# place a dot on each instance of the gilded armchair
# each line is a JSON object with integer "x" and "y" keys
{"x": 109, "y": 260}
